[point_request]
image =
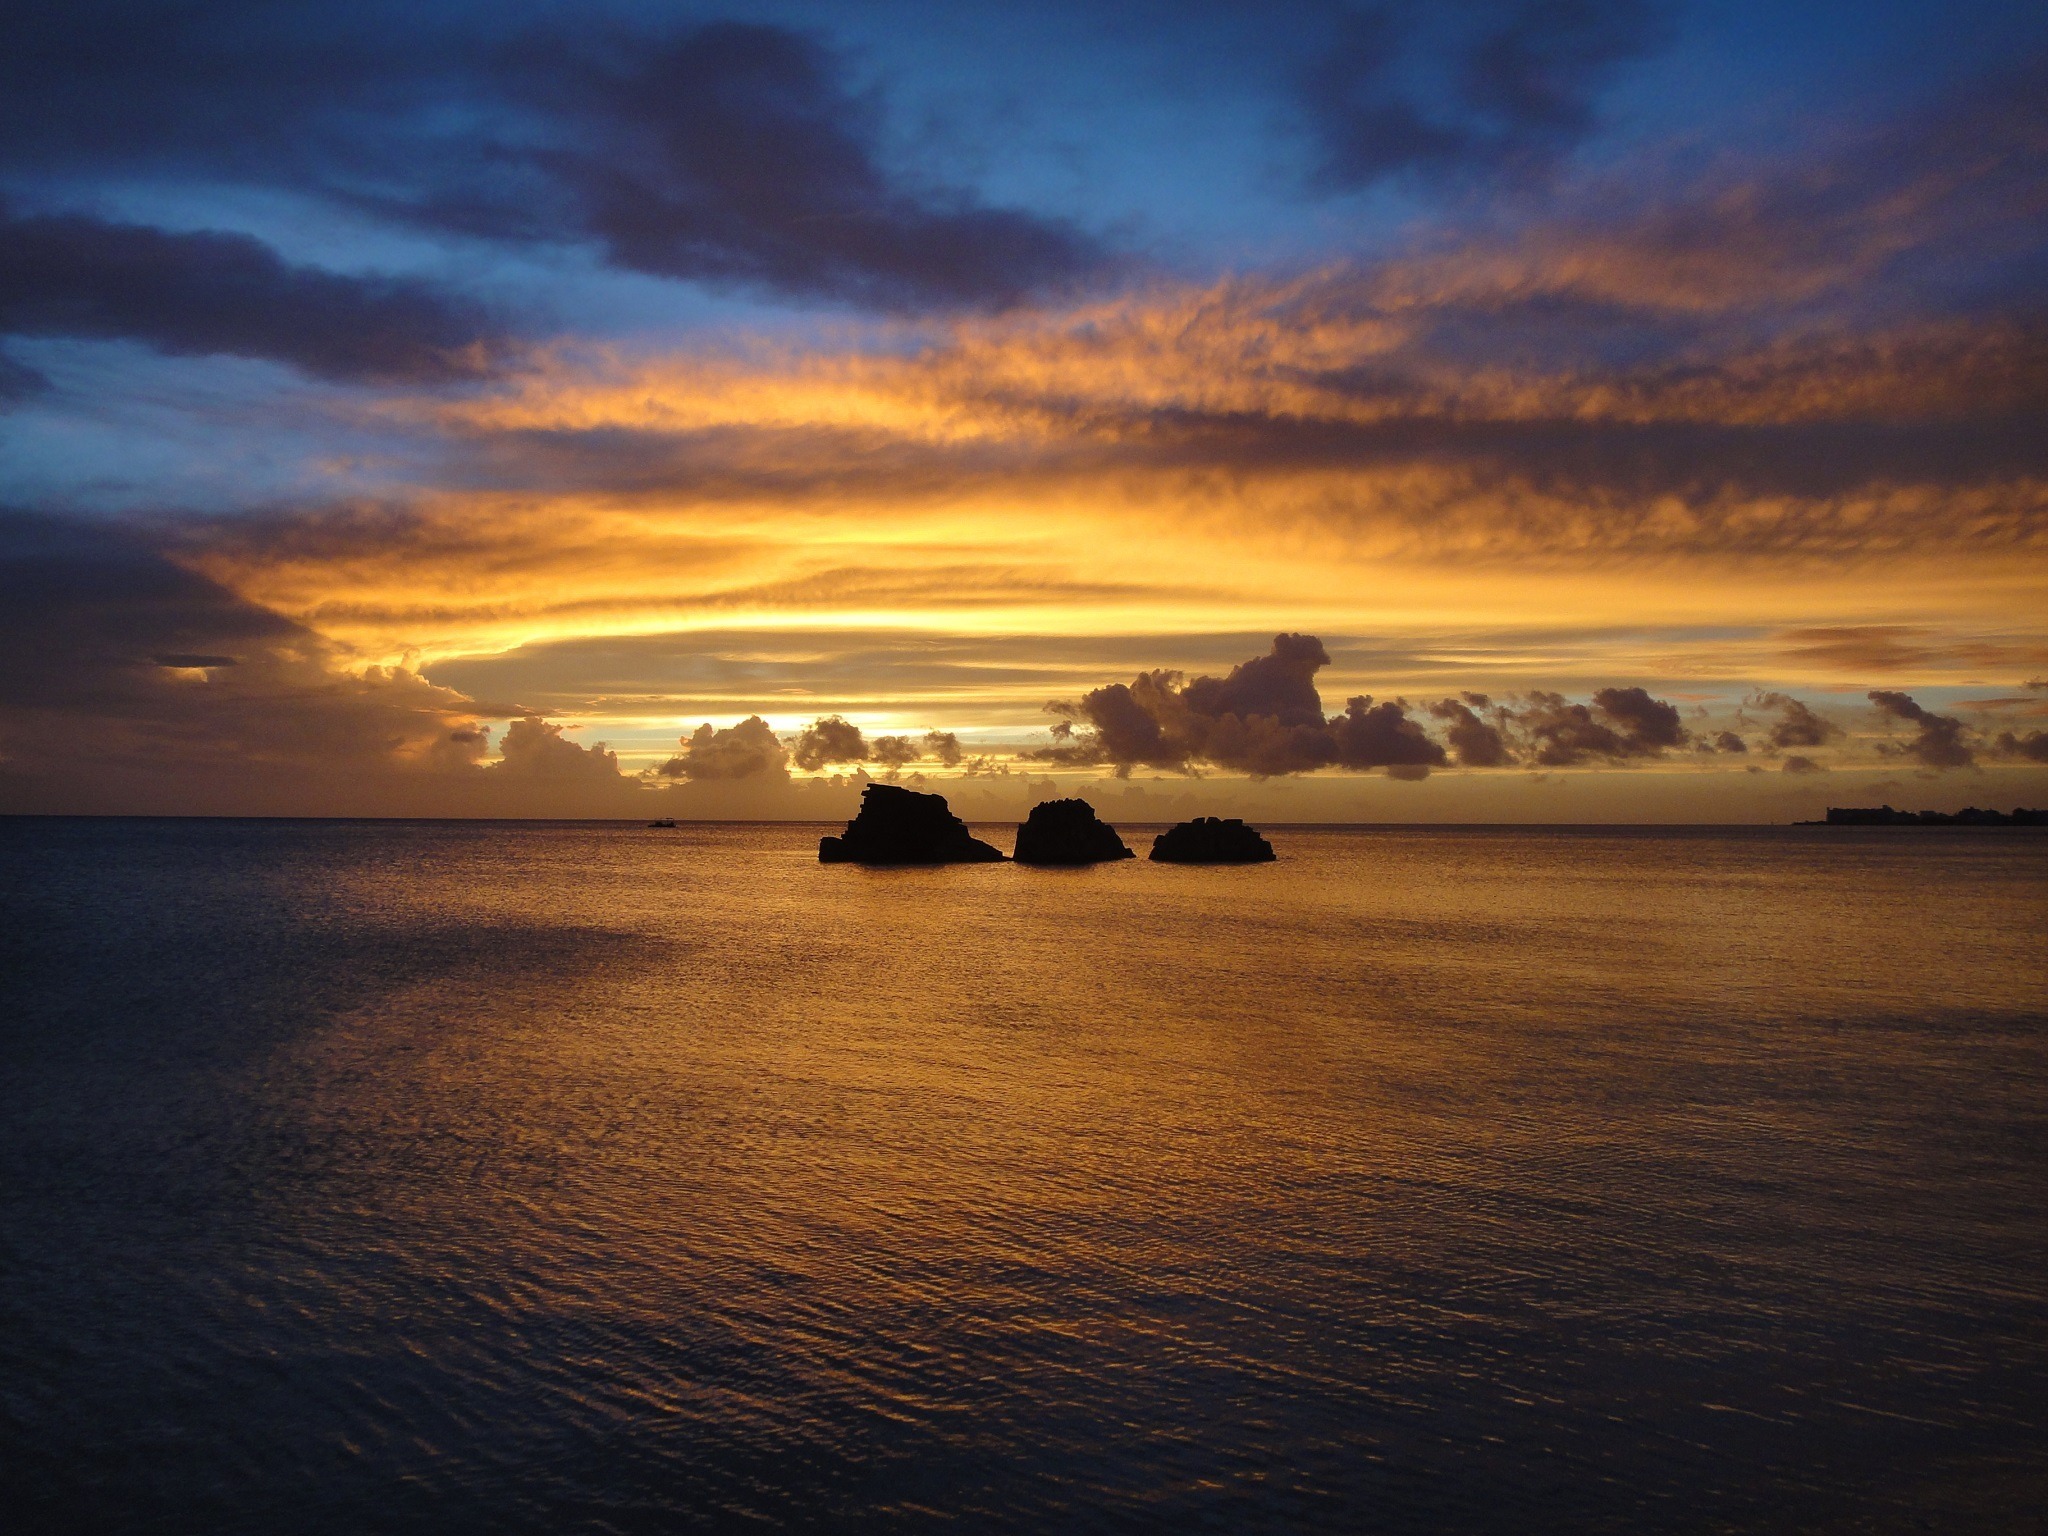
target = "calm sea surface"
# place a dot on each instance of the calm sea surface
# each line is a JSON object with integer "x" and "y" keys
{"x": 362, "y": 1177}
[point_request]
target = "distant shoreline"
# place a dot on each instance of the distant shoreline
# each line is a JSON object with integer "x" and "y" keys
{"x": 1885, "y": 816}
{"x": 636, "y": 823}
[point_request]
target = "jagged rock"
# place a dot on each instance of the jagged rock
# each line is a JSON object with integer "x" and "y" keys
{"x": 1068, "y": 832}
{"x": 1211, "y": 840}
{"x": 901, "y": 826}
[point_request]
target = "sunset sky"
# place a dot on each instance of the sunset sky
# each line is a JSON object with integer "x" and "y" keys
{"x": 1639, "y": 411}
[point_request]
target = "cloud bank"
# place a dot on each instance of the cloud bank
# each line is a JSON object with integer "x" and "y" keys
{"x": 1266, "y": 718}
{"x": 201, "y": 294}
{"x": 140, "y": 685}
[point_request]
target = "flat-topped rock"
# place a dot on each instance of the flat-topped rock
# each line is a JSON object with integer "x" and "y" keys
{"x": 1211, "y": 840}
{"x": 901, "y": 826}
{"x": 1068, "y": 832}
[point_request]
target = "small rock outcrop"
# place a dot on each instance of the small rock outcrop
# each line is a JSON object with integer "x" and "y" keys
{"x": 1211, "y": 840}
{"x": 901, "y": 826}
{"x": 1068, "y": 832}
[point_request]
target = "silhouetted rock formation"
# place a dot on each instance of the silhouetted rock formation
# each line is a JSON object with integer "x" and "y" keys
{"x": 901, "y": 826}
{"x": 1211, "y": 840}
{"x": 1885, "y": 816}
{"x": 1068, "y": 832}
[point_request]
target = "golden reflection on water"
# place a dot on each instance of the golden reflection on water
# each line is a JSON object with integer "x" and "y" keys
{"x": 1424, "y": 1179}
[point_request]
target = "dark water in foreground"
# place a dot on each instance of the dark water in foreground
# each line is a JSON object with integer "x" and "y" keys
{"x": 453, "y": 1178}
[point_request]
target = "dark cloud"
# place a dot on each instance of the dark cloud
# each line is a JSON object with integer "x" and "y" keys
{"x": 1370, "y": 735}
{"x": 1728, "y": 741}
{"x": 93, "y": 613}
{"x": 134, "y": 684}
{"x": 193, "y": 660}
{"x": 1261, "y": 745}
{"x": 1562, "y": 733}
{"x": 736, "y": 152}
{"x": 1478, "y": 743}
{"x": 1619, "y": 724}
{"x": 740, "y": 751}
{"x": 827, "y": 741}
{"x": 1481, "y": 89}
{"x": 1651, "y": 725}
{"x": 730, "y": 152}
{"x": 197, "y": 294}
{"x": 1797, "y": 764}
{"x": 1127, "y": 722}
{"x": 1797, "y": 725}
{"x": 1714, "y": 467}
{"x": 2031, "y": 747}
{"x": 894, "y": 753}
{"x": 1938, "y": 741}
{"x": 1279, "y": 685}
{"x": 1264, "y": 718}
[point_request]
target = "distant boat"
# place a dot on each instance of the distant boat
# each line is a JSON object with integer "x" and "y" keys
{"x": 664, "y": 822}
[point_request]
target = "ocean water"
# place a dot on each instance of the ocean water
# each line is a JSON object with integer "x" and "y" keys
{"x": 376, "y": 1177}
